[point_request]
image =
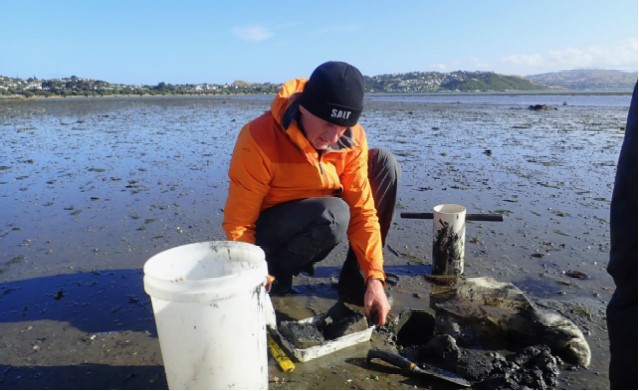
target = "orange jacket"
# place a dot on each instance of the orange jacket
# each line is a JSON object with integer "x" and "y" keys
{"x": 272, "y": 164}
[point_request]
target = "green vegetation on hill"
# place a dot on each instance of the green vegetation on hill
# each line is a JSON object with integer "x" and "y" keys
{"x": 488, "y": 81}
{"x": 459, "y": 81}
{"x": 76, "y": 86}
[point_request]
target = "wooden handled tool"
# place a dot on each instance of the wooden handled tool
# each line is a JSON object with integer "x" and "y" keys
{"x": 409, "y": 366}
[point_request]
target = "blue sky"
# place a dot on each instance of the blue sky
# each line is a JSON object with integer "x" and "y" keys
{"x": 197, "y": 41}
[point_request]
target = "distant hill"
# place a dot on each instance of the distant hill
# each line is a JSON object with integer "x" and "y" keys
{"x": 400, "y": 83}
{"x": 412, "y": 82}
{"x": 588, "y": 80}
{"x": 458, "y": 81}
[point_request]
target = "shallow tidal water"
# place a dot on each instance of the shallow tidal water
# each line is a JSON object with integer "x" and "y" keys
{"x": 92, "y": 188}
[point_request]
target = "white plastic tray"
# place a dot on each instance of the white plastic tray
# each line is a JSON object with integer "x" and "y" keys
{"x": 326, "y": 347}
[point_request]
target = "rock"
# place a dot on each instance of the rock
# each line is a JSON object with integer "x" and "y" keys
{"x": 540, "y": 107}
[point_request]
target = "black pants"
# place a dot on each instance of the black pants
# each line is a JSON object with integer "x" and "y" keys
{"x": 296, "y": 234}
{"x": 621, "y": 313}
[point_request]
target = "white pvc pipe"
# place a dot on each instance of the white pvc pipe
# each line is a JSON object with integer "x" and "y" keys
{"x": 449, "y": 232}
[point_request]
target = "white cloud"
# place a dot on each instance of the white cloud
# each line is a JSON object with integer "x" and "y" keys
{"x": 622, "y": 56}
{"x": 252, "y": 33}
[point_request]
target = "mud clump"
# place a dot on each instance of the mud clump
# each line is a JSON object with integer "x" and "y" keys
{"x": 302, "y": 335}
{"x": 532, "y": 367}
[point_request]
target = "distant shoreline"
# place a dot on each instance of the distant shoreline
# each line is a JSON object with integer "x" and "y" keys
{"x": 227, "y": 96}
{"x": 457, "y": 82}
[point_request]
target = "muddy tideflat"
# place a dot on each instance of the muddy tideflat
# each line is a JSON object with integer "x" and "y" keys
{"x": 92, "y": 188}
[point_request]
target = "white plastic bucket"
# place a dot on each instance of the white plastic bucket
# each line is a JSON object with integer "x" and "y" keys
{"x": 449, "y": 238}
{"x": 208, "y": 301}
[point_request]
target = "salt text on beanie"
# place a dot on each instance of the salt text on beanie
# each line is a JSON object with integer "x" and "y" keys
{"x": 335, "y": 93}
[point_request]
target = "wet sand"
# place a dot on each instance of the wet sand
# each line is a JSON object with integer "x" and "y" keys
{"x": 90, "y": 189}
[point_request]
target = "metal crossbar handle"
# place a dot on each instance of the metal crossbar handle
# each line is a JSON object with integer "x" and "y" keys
{"x": 469, "y": 217}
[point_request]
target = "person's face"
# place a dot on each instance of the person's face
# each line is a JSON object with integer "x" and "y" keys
{"x": 320, "y": 133}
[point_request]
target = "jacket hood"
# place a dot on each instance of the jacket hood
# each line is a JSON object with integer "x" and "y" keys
{"x": 285, "y": 108}
{"x": 286, "y": 96}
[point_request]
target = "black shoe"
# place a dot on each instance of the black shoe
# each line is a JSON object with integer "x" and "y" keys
{"x": 350, "y": 298}
{"x": 283, "y": 291}
{"x": 308, "y": 269}
{"x": 283, "y": 286}
{"x": 351, "y": 285}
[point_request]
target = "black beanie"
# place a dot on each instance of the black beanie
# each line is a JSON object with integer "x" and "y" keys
{"x": 335, "y": 93}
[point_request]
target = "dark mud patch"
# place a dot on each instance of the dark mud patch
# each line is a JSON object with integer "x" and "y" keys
{"x": 93, "y": 302}
{"x": 77, "y": 331}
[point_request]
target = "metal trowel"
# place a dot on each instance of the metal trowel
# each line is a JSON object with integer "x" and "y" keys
{"x": 412, "y": 368}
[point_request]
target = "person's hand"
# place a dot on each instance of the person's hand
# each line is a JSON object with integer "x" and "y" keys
{"x": 376, "y": 305}
{"x": 269, "y": 282}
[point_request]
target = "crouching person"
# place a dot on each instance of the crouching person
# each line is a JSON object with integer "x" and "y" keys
{"x": 302, "y": 180}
